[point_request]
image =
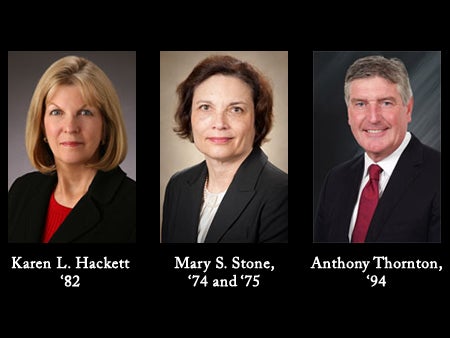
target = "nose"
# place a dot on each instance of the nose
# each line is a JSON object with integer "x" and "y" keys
{"x": 220, "y": 120}
{"x": 71, "y": 125}
{"x": 373, "y": 112}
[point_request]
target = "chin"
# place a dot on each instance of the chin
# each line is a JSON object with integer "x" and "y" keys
{"x": 219, "y": 155}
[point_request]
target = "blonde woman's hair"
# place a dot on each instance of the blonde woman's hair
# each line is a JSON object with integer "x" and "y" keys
{"x": 98, "y": 91}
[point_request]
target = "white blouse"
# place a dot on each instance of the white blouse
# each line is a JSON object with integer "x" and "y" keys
{"x": 210, "y": 205}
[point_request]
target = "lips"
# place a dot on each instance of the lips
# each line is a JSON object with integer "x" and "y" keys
{"x": 219, "y": 140}
{"x": 375, "y": 131}
{"x": 70, "y": 143}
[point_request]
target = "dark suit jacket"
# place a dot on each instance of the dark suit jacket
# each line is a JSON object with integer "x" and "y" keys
{"x": 253, "y": 210}
{"x": 408, "y": 211}
{"x": 106, "y": 213}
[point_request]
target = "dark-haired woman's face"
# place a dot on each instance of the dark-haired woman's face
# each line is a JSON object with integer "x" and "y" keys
{"x": 223, "y": 118}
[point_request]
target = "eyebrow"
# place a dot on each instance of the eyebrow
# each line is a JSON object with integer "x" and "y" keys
{"x": 238, "y": 102}
{"x": 84, "y": 106}
{"x": 387, "y": 98}
{"x": 230, "y": 104}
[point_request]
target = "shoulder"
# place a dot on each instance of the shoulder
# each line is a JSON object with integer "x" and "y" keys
{"x": 128, "y": 184}
{"x": 275, "y": 174}
{"x": 31, "y": 186}
{"x": 32, "y": 177}
{"x": 128, "y": 181}
{"x": 344, "y": 173}
{"x": 188, "y": 174}
{"x": 108, "y": 184}
{"x": 114, "y": 175}
{"x": 432, "y": 161}
{"x": 264, "y": 174}
{"x": 258, "y": 161}
{"x": 418, "y": 151}
{"x": 431, "y": 153}
{"x": 273, "y": 182}
{"x": 31, "y": 180}
{"x": 355, "y": 163}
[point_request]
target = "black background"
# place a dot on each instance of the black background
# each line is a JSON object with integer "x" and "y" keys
{"x": 153, "y": 278}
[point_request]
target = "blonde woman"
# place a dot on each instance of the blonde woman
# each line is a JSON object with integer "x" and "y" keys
{"x": 76, "y": 139}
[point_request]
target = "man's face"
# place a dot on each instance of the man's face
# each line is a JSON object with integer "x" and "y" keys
{"x": 377, "y": 116}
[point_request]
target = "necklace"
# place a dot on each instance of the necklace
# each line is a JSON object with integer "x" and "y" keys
{"x": 204, "y": 189}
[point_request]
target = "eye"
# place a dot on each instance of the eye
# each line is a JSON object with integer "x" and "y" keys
{"x": 55, "y": 112}
{"x": 237, "y": 109}
{"x": 204, "y": 107}
{"x": 359, "y": 104}
{"x": 86, "y": 112}
{"x": 386, "y": 103}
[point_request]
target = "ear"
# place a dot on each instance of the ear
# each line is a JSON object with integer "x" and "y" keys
{"x": 409, "y": 108}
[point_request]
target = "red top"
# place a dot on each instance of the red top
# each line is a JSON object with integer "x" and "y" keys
{"x": 56, "y": 214}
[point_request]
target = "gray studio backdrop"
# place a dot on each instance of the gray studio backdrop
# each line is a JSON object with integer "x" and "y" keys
{"x": 333, "y": 139}
{"x": 24, "y": 71}
{"x": 175, "y": 66}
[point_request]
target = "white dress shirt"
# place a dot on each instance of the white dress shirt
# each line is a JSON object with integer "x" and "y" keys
{"x": 388, "y": 165}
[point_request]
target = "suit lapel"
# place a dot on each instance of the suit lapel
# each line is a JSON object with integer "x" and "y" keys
{"x": 81, "y": 219}
{"x": 348, "y": 198}
{"x": 37, "y": 211}
{"x": 233, "y": 203}
{"x": 86, "y": 215}
{"x": 406, "y": 171}
{"x": 191, "y": 200}
{"x": 238, "y": 195}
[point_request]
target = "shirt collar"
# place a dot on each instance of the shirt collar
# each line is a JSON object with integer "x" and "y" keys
{"x": 388, "y": 164}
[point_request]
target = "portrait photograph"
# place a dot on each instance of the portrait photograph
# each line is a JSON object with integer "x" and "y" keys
{"x": 71, "y": 147}
{"x": 376, "y": 147}
{"x": 223, "y": 147}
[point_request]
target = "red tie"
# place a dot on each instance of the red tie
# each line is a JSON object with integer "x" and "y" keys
{"x": 367, "y": 205}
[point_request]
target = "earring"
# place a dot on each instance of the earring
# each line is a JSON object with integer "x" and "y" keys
{"x": 45, "y": 140}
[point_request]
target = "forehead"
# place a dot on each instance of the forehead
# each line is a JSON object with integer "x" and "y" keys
{"x": 64, "y": 89}
{"x": 371, "y": 86}
{"x": 223, "y": 84}
{"x": 72, "y": 91}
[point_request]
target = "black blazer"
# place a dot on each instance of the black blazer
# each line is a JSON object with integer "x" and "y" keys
{"x": 105, "y": 214}
{"x": 253, "y": 210}
{"x": 408, "y": 211}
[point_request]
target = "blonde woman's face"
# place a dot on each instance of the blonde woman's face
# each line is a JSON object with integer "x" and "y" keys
{"x": 72, "y": 127}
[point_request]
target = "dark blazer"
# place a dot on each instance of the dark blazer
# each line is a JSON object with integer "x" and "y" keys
{"x": 408, "y": 211}
{"x": 253, "y": 210}
{"x": 105, "y": 214}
